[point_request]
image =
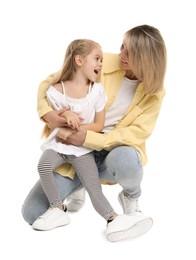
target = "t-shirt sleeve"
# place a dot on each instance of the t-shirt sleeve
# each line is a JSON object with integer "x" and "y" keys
{"x": 51, "y": 98}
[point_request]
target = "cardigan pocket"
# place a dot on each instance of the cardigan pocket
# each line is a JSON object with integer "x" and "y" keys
{"x": 128, "y": 119}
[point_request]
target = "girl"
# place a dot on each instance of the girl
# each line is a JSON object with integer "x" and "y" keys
{"x": 83, "y": 101}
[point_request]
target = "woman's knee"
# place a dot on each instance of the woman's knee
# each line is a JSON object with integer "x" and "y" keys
{"x": 35, "y": 204}
{"x": 123, "y": 163}
{"x": 124, "y": 158}
{"x": 124, "y": 166}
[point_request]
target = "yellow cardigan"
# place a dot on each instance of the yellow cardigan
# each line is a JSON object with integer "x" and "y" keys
{"x": 134, "y": 127}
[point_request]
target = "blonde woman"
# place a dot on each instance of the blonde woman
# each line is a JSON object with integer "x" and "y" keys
{"x": 134, "y": 83}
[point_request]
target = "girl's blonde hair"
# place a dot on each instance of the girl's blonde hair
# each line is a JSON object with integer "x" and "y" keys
{"x": 82, "y": 47}
{"x": 147, "y": 55}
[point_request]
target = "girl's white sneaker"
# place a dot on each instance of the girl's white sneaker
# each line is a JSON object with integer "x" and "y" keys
{"x": 52, "y": 218}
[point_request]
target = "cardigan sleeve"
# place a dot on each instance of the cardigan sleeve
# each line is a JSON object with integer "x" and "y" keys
{"x": 42, "y": 103}
{"x": 134, "y": 130}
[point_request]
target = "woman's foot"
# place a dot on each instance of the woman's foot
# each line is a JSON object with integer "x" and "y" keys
{"x": 128, "y": 226}
{"x": 76, "y": 200}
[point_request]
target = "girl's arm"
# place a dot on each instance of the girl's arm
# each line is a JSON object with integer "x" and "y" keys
{"x": 98, "y": 124}
{"x": 73, "y": 120}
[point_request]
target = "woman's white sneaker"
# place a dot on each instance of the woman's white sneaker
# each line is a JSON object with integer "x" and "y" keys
{"x": 128, "y": 227}
{"x": 131, "y": 225}
{"x": 52, "y": 218}
{"x": 129, "y": 205}
{"x": 76, "y": 200}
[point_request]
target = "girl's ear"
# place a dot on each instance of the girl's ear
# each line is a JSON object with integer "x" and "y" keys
{"x": 78, "y": 60}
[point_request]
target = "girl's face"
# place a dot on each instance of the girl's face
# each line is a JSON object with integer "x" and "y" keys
{"x": 93, "y": 64}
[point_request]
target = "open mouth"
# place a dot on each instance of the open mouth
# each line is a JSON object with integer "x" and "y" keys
{"x": 97, "y": 71}
{"x": 123, "y": 61}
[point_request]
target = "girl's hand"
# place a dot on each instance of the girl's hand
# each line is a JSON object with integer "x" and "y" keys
{"x": 65, "y": 132}
{"x": 72, "y": 119}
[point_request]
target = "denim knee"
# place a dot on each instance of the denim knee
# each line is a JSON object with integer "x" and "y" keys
{"x": 124, "y": 164}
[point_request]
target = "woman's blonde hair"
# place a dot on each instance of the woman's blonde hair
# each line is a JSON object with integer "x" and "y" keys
{"x": 82, "y": 47}
{"x": 147, "y": 56}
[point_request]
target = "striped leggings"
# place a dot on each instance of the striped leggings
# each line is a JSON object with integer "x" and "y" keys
{"x": 87, "y": 171}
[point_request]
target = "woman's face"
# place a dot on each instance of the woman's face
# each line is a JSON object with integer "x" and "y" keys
{"x": 125, "y": 62}
{"x": 124, "y": 58}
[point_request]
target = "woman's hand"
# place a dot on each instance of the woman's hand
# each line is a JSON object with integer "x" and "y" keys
{"x": 65, "y": 132}
{"x": 54, "y": 119}
{"x": 78, "y": 137}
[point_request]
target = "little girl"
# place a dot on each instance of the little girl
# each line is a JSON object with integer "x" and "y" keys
{"x": 75, "y": 90}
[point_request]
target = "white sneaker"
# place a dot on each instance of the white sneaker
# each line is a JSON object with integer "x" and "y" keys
{"x": 128, "y": 227}
{"x": 52, "y": 218}
{"x": 76, "y": 200}
{"x": 129, "y": 205}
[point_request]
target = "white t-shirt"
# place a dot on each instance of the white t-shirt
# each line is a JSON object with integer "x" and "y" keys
{"x": 120, "y": 104}
{"x": 86, "y": 107}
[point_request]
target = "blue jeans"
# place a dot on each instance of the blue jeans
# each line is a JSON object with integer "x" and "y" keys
{"x": 121, "y": 165}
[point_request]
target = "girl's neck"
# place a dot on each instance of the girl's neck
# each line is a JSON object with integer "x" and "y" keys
{"x": 76, "y": 88}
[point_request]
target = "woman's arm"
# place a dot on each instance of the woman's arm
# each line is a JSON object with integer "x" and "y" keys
{"x": 133, "y": 130}
{"x": 42, "y": 103}
{"x": 52, "y": 118}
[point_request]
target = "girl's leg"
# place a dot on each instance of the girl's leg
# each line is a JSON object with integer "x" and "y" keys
{"x": 87, "y": 171}
{"x": 48, "y": 162}
{"x": 36, "y": 203}
{"x": 121, "y": 165}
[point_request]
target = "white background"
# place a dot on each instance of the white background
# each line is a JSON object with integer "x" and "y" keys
{"x": 34, "y": 37}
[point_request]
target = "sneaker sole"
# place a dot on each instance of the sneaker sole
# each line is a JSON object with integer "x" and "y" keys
{"x": 136, "y": 230}
{"x": 47, "y": 228}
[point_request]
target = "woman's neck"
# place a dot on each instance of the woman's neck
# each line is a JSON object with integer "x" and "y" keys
{"x": 129, "y": 74}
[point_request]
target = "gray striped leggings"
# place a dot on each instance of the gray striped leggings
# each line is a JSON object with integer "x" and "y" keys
{"x": 87, "y": 171}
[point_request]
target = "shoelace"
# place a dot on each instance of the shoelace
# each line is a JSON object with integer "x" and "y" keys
{"x": 132, "y": 205}
{"x": 48, "y": 213}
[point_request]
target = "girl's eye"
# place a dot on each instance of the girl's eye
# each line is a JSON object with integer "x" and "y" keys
{"x": 97, "y": 59}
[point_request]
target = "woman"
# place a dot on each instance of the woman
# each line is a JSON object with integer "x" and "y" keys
{"x": 134, "y": 84}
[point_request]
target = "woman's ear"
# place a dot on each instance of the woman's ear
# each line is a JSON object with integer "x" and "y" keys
{"x": 78, "y": 60}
